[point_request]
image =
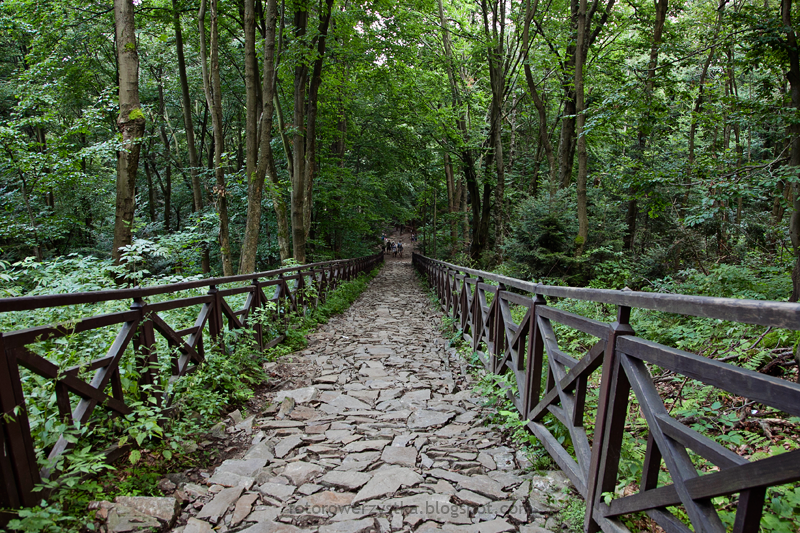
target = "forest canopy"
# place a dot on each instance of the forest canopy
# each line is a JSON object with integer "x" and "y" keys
{"x": 597, "y": 143}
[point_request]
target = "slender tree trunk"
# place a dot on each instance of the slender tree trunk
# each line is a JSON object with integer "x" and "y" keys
{"x": 480, "y": 210}
{"x": 512, "y": 140}
{"x": 213, "y": 88}
{"x": 533, "y": 183}
{"x": 794, "y": 129}
{"x": 188, "y": 124}
{"x": 255, "y": 183}
{"x": 465, "y": 213}
{"x": 544, "y": 137}
{"x": 278, "y": 197}
{"x": 162, "y": 130}
{"x": 298, "y": 145}
{"x": 285, "y": 141}
{"x": 566, "y": 144}
{"x": 130, "y": 124}
{"x": 452, "y": 202}
{"x": 580, "y": 122}
{"x": 698, "y": 103}
{"x": 266, "y": 161}
{"x": 151, "y": 192}
{"x": 311, "y": 115}
{"x": 26, "y": 199}
{"x": 494, "y": 32}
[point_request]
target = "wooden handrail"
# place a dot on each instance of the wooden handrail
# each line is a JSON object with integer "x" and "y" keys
{"x": 19, "y": 472}
{"x": 759, "y": 312}
{"x": 530, "y": 351}
{"x": 26, "y": 303}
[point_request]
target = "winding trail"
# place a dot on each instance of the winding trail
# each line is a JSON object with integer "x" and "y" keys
{"x": 385, "y": 434}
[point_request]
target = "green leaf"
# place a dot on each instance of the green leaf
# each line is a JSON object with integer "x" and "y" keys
{"x": 135, "y": 456}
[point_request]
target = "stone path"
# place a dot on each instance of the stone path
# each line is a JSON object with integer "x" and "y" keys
{"x": 386, "y": 436}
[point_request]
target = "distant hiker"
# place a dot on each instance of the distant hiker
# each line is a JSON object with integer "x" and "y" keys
{"x": 400, "y": 248}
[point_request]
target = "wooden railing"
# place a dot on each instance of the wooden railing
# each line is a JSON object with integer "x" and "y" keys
{"x": 295, "y": 290}
{"x": 529, "y": 349}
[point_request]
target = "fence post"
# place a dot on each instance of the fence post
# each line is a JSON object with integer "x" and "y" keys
{"x": 612, "y": 408}
{"x": 299, "y": 293}
{"x": 456, "y": 295}
{"x": 255, "y": 325}
{"x": 144, "y": 343}
{"x": 477, "y": 322}
{"x": 17, "y": 456}
{"x": 323, "y": 284}
{"x": 534, "y": 359}
{"x": 497, "y": 330}
{"x": 215, "y": 318}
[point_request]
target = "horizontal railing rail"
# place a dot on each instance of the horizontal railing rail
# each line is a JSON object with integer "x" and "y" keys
{"x": 275, "y": 294}
{"x": 551, "y": 382}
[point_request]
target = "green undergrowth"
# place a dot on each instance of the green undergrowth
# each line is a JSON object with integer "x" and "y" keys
{"x": 160, "y": 440}
{"x": 751, "y": 430}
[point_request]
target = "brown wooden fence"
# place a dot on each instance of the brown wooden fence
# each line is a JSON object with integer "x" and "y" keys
{"x": 529, "y": 349}
{"x": 295, "y": 289}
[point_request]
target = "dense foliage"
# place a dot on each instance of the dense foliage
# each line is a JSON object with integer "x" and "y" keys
{"x": 645, "y": 144}
{"x": 458, "y": 119}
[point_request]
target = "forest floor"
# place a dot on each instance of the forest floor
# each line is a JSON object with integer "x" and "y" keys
{"x": 375, "y": 428}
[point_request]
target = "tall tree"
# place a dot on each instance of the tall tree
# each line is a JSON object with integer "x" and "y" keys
{"x": 306, "y": 99}
{"x": 213, "y": 90}
{"x": 264, "y": 163}
{"x": 494, "y": 28}
{"x": 481, "y": 209}
{"x": 544, "y": 136}
{"x": 793, "y": 75}
{"x": 188, "y": 124}
{"x": 130, "y": 124}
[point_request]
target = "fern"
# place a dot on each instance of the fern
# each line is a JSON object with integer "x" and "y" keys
{"x": 761, "y": 358}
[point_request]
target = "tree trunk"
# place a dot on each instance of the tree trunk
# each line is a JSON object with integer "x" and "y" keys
{"x": 311, "y": 115}
{"x": 130, "y": 124}
{"x": 698, "y": 103}
{"x": 151, "y": 192}
{"x": 566, "y": 144}
{"x": 494, "y": 32}
{"x": 452, "y": 201}
{"x": 580, "y": 122}
{"x": 465, "y": 214}
{"x": 255, "y": 182}
{"x": 298, "y": 145}
{"x": 794, "y": 130}
{"x": 162, "y": 130}
{"x": 188, "y": 124}
{"x": 26, "y": 199}
{"x": 544, "y": 137}
{"x": 213, "y": 89}
{"x": 278, "y": 200}
{"x": 266, "y": 161}
{"x": 480, "y": 210}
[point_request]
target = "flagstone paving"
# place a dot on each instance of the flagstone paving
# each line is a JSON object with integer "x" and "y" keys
{"x": 385, "y": 434}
